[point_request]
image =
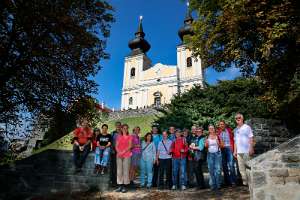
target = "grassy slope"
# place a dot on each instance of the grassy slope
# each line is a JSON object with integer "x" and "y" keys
{"x": 143, "y": 122}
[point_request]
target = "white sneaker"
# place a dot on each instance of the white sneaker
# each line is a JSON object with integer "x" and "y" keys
{"x": 183, "y": 187}
{"x": 174, "y": 187}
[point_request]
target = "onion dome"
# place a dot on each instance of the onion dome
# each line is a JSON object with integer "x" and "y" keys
{"x": 187, "y": 29}
{"x": 139, "y": 45}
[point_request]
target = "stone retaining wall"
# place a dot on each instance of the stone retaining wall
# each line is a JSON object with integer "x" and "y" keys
{"x": 275, "y": 175}
{"x": 117, "y": 115}
{"x": 268, "y": 133}
{"x": 51, "y": 171}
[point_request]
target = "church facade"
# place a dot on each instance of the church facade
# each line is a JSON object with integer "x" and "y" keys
{"x": 146, "y": 85}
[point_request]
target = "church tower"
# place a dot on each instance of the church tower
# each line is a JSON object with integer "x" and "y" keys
{"x": 189, "y": 69}
{"x": 135, "y": 63}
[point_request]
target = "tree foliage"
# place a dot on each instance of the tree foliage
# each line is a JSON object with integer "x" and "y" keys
{"x": 48, "y": 52}
{"x": 213, "y": 103}
{"x": 253, "y": 35}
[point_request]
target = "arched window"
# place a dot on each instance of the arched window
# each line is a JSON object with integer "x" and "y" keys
{"x": 157, "y": 99}
{"x": 189, "y": 62}
{"x": 130, "y": 101}
{"x": 132, "y": 72}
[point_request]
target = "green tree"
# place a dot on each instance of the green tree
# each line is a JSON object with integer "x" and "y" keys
{"x": 253, "y": 34}
{"x": 48, "y": 52}
{"x": 215, "y": 102}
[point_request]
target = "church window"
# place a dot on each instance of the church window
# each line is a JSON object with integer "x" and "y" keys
{"x": 132, "y": 72}
{"x": 189, "y": 62}
{"x": 130, "y": 101}
{"x": 157, "y": 99}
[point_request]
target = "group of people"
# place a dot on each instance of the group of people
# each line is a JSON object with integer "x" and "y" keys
{"x": 172, "y": 159}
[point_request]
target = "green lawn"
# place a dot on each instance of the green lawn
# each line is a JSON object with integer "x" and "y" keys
{"x": 143, "y": 122}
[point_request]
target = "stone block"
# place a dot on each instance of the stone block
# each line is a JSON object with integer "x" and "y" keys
{"x": 260, "y": 195}
{"x": 277, "y": 180}
{"x": 294, "y": 172}
{"x": 259, "y": 179}
{"x": 278, "y": 172}
{"x": 293, "y": 165}
{"x": 291, "y": 158}
{"x": 292, "y": 179}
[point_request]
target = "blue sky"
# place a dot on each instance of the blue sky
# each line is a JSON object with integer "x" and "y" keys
{"x": 161, "y": 22}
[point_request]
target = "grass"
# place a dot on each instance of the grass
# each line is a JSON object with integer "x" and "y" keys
{"x": 64, "y": 143}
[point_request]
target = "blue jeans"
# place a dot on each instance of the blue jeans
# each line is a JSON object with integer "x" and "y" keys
{"x": 146, "y": 170}
{"x": 228, "y": 166}
{"x": 102, "y": 156}
{"x": 214, "y": 161}
{"x": 179, "y": 164}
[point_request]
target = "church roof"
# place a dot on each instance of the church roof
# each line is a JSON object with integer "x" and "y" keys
{"x": 187, "y": 28}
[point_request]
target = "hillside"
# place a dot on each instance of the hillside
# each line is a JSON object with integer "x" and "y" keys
{"x": 143, "y": 122}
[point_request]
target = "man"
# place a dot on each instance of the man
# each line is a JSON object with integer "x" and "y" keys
{"x": 156, "y": 139}
{"x": 197, "y": 157}
{"x": 81, "y": 143}
{"x": 172, "y": 136}
{"x": 243, "y": 148}
{"x": 226, "y": 135}
{"x": 113, "y": 160}
{"x": 179, "y": 151}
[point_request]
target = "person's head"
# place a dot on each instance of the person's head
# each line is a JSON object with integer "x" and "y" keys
{"x": 137, "y": 130}
{"x": 148, "y": 137}
{"x": 177, "y": 133}
{"x": 211, "y": 129}
{"x": 84, "y": 123}
{"x": 104, "y": 128}
{"x": 239, "y": 119}
{"x": 193, "y": 129}
{"x": 125, "y": 128}
{"x": 154, "y": 129}
{"x": 118, "y": 126}
{"x": 222, "y": 125}
{"x": 185, "y": 132}
{"x": 172, "y": 129}
{"x": 199, "y": 131}
{"x": 165, "y": 134}
{"x": 96, "y": 131}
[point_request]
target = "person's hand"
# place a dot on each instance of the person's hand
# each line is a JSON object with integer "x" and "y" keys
{"x": 235, "y": 154}
{"x": 76, "y": 143}
{"x": 251, "y": 151}
{"x": 182, "y": 150}
{"x": 81, "y": 148}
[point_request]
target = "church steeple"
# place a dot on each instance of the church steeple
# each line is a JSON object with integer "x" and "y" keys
{"x": 187, "y": 28}
{"x": 139, "y": 45}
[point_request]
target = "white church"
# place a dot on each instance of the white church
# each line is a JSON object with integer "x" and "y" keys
{"x": 145, "y": 84}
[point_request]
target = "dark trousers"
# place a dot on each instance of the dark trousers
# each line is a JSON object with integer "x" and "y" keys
{"x": 155, "y": 175}
{"x": 113, "y": 169}
{"x": 80, "y": 159}
{"x": 195, "y": 170}
{"x": 228, "y": 166}
{"x": 165, "y": 166}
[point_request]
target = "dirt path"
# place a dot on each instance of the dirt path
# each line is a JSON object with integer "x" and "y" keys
{"x": 240, "y": 193}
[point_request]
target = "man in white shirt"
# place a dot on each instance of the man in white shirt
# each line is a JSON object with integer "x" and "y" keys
{"x": 243, "y": 148}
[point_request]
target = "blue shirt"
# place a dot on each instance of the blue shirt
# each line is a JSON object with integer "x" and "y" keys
{"x": 164, "y": 150}
{"x": 225, "y": 137}
{"x": 156, "y": 139}
{"x": 148, "y": 151}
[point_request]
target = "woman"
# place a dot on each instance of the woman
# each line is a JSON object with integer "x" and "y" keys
{"x": 147, "y": 160}
{"x": 104, "y": 143}
{"x": 136, "y": 154}
{"x": 123, "y": 149}
{"x": 214, "y": 158}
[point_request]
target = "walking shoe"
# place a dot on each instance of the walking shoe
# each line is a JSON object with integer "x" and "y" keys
{"x": 183, "y": 187}
{"x": 119, "y": 189}
{"x": 174, "y": 187}
{"x": 124, "y": 190}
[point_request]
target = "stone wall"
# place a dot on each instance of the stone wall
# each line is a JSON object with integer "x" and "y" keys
{"x": 117, "y": 115}
{"x": 51, "y": 171}
{"x": 268, "y": 133}
{"x": 275, "y": 175}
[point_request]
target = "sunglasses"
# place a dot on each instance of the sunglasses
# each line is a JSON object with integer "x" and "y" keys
{"x": 238, "y": 118}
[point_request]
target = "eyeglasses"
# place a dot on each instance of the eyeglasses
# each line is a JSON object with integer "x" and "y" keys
{"x": 238, "y": 118}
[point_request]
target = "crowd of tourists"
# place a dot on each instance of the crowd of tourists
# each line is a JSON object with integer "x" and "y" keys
{"x": 171, "y": 159}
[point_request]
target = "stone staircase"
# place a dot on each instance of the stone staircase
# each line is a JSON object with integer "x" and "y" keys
{"x": 49, "y": 172}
